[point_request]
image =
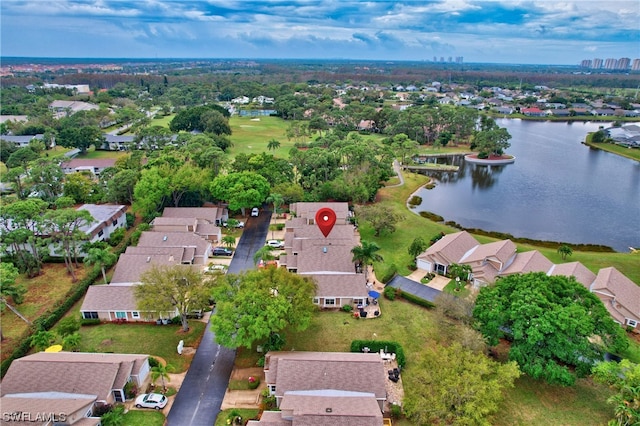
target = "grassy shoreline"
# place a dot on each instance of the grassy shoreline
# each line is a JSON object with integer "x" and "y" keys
{"x": 394, "y": 246}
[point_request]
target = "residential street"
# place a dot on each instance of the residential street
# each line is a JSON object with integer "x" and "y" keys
{"x": 200, "y": 397}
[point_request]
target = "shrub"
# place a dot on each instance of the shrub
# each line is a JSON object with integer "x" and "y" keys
{"x": 396, "y": 411}
{"x": 88, "y": 322}
{"x": 254, "y": 382}
{"x": 131, "y": 219}
{"x": 130, "y": 390}
{"x": 415, "y": 201}
{"x": 68, "y": 325}
{"x": 176, "y": 320}
{"x": 117, "y": 236}
{"x": 417, "y": 300}
{"x": 153, "y": 362}
{"x": 347, "y": 308}
{"x": 280, "y": 226}
{"x": 390, "y": 293}
{"x": 386, "y": 275}
{"x": 432, "y": 216}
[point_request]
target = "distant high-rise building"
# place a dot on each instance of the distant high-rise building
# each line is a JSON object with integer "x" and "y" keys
{"x": 459, "y": 59}
{"x": 450, "y": 59}
{"x": 623, "y": 64}
{"x": 597, "y": 63}
{"x": 586, "y": 63}
{"x": 610, "y": 64}
{"x": 441, "y": 58}
{"x": 636, "y": 65}
{"x": 435, "y": 59}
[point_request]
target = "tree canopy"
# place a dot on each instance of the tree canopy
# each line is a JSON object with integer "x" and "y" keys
{"x": 453, "y": 385}
{"x": 552, "y": 323}
{"x": 624, "y": 378}
{"x": 253, "y": 306}
{"x": 180, "y": 287}
{"x": 241, "y": 190}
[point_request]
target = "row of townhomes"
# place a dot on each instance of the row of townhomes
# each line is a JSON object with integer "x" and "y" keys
{"x": 181, "y": 236}
{"x": 68, "y": 388}
{"x": 325, "y": 387}
{"x": 490, "y": 261}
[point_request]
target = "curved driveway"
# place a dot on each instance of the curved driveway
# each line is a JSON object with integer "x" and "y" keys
{"x": 202, "y": 391}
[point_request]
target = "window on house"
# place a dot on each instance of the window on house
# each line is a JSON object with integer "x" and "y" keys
{"x": 632, "y": 323}
{"x": 121, "y": 315}
{"x": 101, "y": 233}
{"x": 358, "y": 301}
{"x": 272, "y": 389}
{"x": 115, "y": 222}
{"x": 135, "y": 314}
{"x": 90, "y": 315}
{"x": 316, "y": 300}
{"x": 329, "y": 302}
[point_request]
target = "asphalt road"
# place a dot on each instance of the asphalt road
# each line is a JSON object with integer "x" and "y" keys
{"x": 200, "y": 397}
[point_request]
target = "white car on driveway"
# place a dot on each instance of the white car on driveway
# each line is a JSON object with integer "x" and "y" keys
{"x": 255, "y": 212}
{"x": 151, "y": 400}
{"x": 275, "y": 244}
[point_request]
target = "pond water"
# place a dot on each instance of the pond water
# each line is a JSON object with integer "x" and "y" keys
{"x": 558, "y": 189}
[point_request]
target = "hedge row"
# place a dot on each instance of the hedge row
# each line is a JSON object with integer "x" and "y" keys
{"x": 48, "y": 319}
{"x": 375, "y": 346}
{"x": 417, "y": 300}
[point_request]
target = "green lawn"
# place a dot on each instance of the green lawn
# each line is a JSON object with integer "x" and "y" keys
{"x": 93, "y": 154}
{"x": 143, "y": 418}
{"x": 246, "y": 414}
{"x": 250, "y": 136}
{"x": 155, "y": 340}
{"x": 530, "y": 403}
{"x": 634, "y": 154}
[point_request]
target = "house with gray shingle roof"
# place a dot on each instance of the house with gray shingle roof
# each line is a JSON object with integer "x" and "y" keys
{"x": 66, "y": 376}
{"x": 94, "y": 166}
{"x": 213, "y": 215}
{"x": 574, "y": 269}
{"x": 22, "y": 141}
{"x": 325, "y": 374}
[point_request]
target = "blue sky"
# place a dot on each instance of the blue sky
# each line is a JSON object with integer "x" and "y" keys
{"x": 510, "y": 31}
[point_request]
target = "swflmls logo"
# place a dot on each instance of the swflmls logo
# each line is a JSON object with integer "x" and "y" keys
{"x": 20, "y": 416}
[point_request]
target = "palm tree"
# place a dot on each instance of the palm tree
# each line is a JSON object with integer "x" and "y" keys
{"x": 162, "y": 372}
{"x": 365, "y": 254}
{"x": 273, "y": 144}
{"x": 264, "y": 253}
{"x": 102, "y": 257}
{"x": 564, "y": 250}
{"x": 229, "y": 241}
{"x": 277, "y": 200}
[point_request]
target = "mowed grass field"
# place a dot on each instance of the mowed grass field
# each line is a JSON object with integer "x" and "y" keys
{"x": 530, "y": 403}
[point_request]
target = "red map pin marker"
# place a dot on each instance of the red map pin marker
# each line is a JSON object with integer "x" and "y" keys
{"x": 325, "y": 219}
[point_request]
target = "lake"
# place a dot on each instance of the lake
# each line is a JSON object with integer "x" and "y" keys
{"x": 558, "y": 189}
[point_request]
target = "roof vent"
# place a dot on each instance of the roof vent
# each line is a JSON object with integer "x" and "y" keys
{"x": 164, "y": 238}
{"x": 328, "y": 410}
{"x": 148, "y": 259}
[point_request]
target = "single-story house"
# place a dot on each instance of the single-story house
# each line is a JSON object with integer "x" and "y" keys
{"x": 620, "y": 296}
{"x": 574, "y": 269}
{"x": 447, "y": 250}
{"x": 49, "y": 408}
{"x": 331, "y": 372}
{"x": 117, "y": 142}
{"x": 337, "y": 290}
{"x": 309, "y": 210}
{"x": 83, "y": 376}
{"x": 23, "y": 140}
{"x": 130, "y": 266}
{"x": 92, "y": 165}
{"x": 533, "y": 112}
{"x": 201, "y": 246}
{"x": 66, "y": 108}
{"x": 321, "y": 407}
{"x": 113, "y": 302}
{"x": 209, "y": 231}
{"x": 213, "y": 215}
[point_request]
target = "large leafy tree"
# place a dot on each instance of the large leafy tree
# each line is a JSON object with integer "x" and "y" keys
{"x": 382, "y": 219}
{"x": 453, "y": 385}
{"x": 165, "y": 288}
{"x": 80, "y": 137}
{"x": 241, "y": 190}
{"x": 256, "y": 305}
{"x": 10, "y": 290}
{"x": 624, "y": 378}
{"x": 552, "y": 322}
{"x": 198, "y": 118}
{"x": 21, "y": 223}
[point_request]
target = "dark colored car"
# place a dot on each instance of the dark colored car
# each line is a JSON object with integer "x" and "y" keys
{"x": 221, "y": 251}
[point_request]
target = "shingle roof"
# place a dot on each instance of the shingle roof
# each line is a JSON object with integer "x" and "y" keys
{"x": 530, "y": 261}
{"x": 450, "y": 248}
{"x": 347, "y": 371}
{"x": 574, "y": 269}
{"x": 270, "y": 418}
{"x": 321, "y": 407}
{"x": 613, "y": 282}
{"x": 70, "y": 372}
{"x": 89, "y": 162}
{"x": 104, "y": 215}
{"x": 46, "y": 402}
{"x": 175, "y": 239}
{"x": 207, "y": 213}
{"x": 130, "y": 267}
{"x": 501, "y": 250}
{"x": 341, "y": 285}
{"x": 308, "y": 210}
{"x": 102, "y": 298}
{"x": 316, "y": 257}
